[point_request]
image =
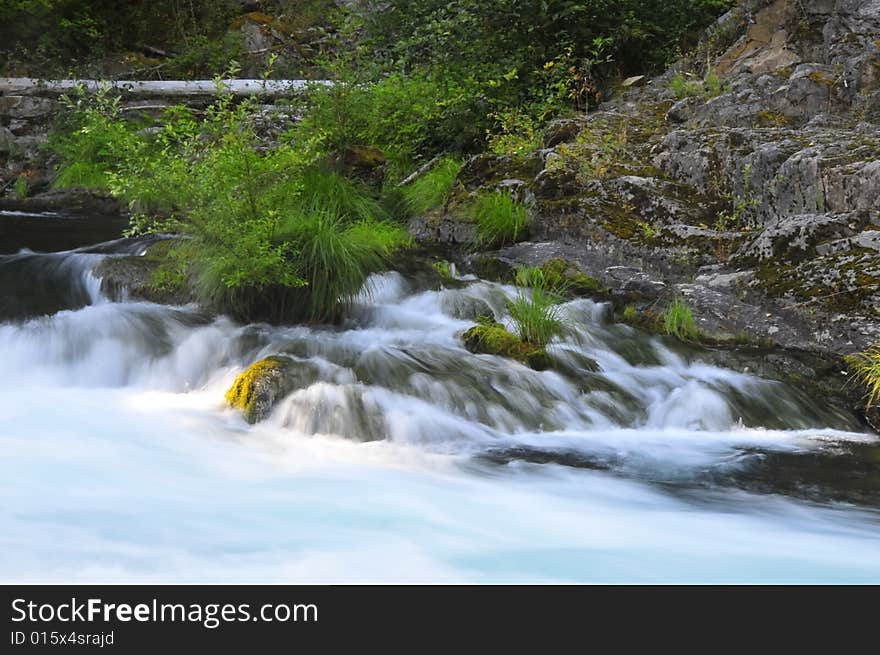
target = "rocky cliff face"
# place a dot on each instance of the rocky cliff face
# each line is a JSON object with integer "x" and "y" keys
{"x": 747, "y": 181}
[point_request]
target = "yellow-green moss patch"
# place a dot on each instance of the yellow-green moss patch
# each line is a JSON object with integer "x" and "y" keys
{"x": 560, "y": 273}
{"x": 259, "y": 387}
{"x": 494, "y": 339}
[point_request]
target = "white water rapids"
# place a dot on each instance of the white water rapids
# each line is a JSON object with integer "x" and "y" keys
{"x": 403, "y": 458}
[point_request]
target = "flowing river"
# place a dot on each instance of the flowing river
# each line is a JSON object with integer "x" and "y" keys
{"x": 402, "y": 457}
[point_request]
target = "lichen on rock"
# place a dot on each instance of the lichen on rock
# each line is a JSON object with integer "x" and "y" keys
{"x": 258, "y": 389}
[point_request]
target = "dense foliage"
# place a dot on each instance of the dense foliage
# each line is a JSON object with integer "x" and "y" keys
{"x": 533, "y": 48}
{"x": 282, "y": 229}
{"x": 273, "y": 234}
{"x": 143, "y": 38}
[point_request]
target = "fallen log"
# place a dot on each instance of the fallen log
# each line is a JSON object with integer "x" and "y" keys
{"x": 156, "y": 88}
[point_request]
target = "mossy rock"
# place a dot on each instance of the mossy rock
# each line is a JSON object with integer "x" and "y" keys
{"x": 492, "y": 268}
{"x": 564, "y": 274}
{"x": 363, "y": 163}
{"x": 259, "y": 388}
{"x": 494, "y": 339}
{"x": 156, "y": 276}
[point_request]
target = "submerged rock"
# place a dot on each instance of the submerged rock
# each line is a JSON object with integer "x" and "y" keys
{"x": 153, "y": 276}
{"x": 258, "y": 389}
{"x": 465, "y": 307}
{"x": 494, "y": 339}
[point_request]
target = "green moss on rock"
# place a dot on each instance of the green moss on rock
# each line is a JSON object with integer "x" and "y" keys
{"x": 494, "y": 339}
{"x": 494, "y": 269}
{"x": 768, "y": 118}
{"x": 561, "y": 273}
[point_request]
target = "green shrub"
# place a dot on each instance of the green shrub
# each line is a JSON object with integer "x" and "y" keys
{"x": 432, "y": 189}
{"x": 409, "y": 118}
{"x": 683, "y": 86}
{"x": 865, "y": 367}
{"x": 712, "y": 84}
{"x": 516, "y": 132}
{"x": 500, "y": 219}
{"x": 273, "y": 234}
{"x": 678, "y": 321}
{"x": 535, "y": 310}
{"x": 93, "y": 141}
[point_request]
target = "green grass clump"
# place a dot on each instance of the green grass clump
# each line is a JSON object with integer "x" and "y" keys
{"x": 865, "y": 367}
{"x": 335, "y": 257}
{"x": 685, "y": 86}
{"x": 678, "y": 321}
{"x": 324, "y": 190}
{"x": 432, "y": 189}
{"x": 87, "y": 175}
{"x": 500, "y": 219}
{"x": 535, "y": 310}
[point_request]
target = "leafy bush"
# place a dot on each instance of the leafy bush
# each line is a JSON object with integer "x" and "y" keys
{"x": 678, "y": 321}
{"x": 409, "y": 118}
{"x": 94, "y": 139}
{"x": 273, "y": 234}
{"x": 535, "y": 310}
{"x": 516, "y": 132}
{"x": 500, "y": 219}
{"x": 638, "y": 36}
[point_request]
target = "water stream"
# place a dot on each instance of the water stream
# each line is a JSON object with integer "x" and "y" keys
{"x": 402, "y": 457}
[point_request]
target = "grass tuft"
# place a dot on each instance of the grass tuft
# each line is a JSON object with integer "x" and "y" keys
{"x": 500, "y": 219}
{"x": 865, "y": 367}
{"x": 336, "y": 259}
{"x": 535, "y": 310}
{"x": 678, "y": 321}
{"x": 432, "y": 189}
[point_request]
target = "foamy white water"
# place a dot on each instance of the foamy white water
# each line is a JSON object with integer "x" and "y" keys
{"x": 406, "y": 459}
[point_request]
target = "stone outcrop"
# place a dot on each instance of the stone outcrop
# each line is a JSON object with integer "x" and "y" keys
{"x": 756, "y": 196}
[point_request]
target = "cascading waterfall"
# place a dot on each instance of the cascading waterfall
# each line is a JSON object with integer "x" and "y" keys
{"x": 401, "y": 456}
